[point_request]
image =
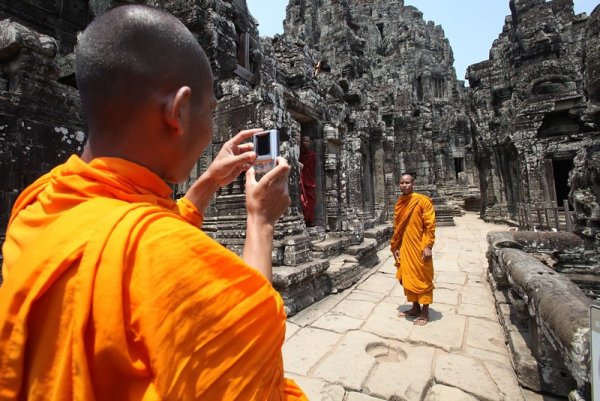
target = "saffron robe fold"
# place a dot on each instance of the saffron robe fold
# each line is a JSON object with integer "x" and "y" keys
{"x": 414, "y": 230}
{"x": 112, "y": 292}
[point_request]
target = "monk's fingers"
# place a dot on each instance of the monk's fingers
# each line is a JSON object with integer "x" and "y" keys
{"x": 279, "y": 174}
{"x": 250, "y": 176}
{"x": 243, "y": 135}
{"x": 246, "y": 147}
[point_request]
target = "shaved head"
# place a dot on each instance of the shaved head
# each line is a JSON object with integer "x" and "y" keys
{"x": 131, "y": 53}
{"x": 409, "y": 176}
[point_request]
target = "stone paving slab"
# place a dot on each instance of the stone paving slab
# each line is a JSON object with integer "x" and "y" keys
{"x": 444, "y": 393}
{"x": 337, "y": 323}
{"x": 319, "y": 390}
{"x": 445, "y": 332}
{"x": 384, "y": 322}
{"x": 487, "y": 335}
{"x": 466, "y": 374}
{"x": 349, "y": 364}
{"x": 299, "y": 357}
{"x": 354, "y": 308}
{"x": 477, "y": 310}
{"x": 378, "y": 283}
{"x": 353, "y": 346}
{"x": 458, "y": 278}
{"x": 403, "y": 372}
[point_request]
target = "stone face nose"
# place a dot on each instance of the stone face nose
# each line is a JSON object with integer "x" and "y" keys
{"x": 354, "y": 346}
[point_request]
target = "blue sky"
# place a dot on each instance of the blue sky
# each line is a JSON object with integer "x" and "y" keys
{"x": 470, "y": 25}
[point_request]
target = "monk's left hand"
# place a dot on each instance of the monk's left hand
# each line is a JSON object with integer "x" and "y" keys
{"x": 426, "y": 253}
{"x": 234, "y": 158}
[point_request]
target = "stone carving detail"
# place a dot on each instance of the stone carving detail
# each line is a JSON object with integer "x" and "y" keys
{"x": 528, "y": 107}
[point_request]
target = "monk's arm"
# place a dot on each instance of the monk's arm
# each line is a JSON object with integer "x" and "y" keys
{"x": 258, "y": 246}
{"x": 266, "y": 201}
{"x": 428, "y": 224}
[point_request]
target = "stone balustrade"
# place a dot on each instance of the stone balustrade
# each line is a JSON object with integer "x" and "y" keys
{"x": 545, "y": 316}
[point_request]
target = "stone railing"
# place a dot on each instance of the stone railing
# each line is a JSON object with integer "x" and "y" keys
{"x": 545, "y": 316}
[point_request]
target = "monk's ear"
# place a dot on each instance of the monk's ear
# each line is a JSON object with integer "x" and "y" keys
{"x": 178, "y": 109}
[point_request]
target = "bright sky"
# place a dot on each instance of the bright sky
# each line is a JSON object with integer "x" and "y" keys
{"x": 470, "y": 25}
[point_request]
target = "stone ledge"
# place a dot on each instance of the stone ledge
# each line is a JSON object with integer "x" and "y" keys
{"x": 343, "y": 271}
{"x": 329, "y": 247}
{"x": 365, "y": 253}
{"x": 284, "y": 276}
{"x": 303, "y": 285}
{"x": 382, "y": 233}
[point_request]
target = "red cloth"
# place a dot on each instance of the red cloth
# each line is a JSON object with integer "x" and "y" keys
{"x": 309, "y": 184}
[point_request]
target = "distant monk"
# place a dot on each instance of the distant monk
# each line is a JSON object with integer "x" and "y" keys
{"x": 111, "y": 290}
{"x": 414, "y": 235}
{"x": 308, "y": 163}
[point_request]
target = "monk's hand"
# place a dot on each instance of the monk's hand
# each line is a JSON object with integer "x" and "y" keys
{"x": 234, "y": 157}
{"x": 397, "y": 254}
{"x": 267, "y": 199}
{"x": 426, "y": 253}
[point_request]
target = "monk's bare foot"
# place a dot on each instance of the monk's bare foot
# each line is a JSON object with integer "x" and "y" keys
{"x": 412, "y": 312}
{"x": 423, "y": 317}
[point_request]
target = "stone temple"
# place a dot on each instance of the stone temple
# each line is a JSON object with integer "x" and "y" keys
{"x": 373, "y": 85}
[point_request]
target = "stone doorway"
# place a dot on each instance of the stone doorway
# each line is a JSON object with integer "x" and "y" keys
{"x": 557, "y": 178}
{"x": 560, "y": 171}
{"x": 311, "y": 128}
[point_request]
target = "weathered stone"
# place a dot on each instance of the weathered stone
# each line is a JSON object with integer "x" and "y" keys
{"x": 349, "y": 363}
{"x": 450, "y": 371}
{"x": 321, "y": 342}
{"x": 402, "y": 371}
{"x": 445, "y": 332}
{"x": 444, "y": 393}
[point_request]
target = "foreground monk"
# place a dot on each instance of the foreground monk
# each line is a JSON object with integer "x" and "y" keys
{"x": 111, "y": 291}
{"x": 414, "y": 234}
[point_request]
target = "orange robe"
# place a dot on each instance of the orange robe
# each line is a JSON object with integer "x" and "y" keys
{"x": 414, "y": 230}
{"x": 112, "y": 292}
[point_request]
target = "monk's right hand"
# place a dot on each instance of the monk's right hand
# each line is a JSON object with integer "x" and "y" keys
{"x": 267, "y": 199}
{"x": 397, "y": 254}
{"x": 235, "y": 156}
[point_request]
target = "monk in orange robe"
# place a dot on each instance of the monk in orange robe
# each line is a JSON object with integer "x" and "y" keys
{"x": 111, "y": 291}
{"x": 414, "y": 235}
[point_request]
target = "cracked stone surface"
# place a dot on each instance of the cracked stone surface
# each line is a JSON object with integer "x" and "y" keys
{"x": 354, "y": 347}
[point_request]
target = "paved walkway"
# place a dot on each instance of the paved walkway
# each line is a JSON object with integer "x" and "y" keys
{"x": 352, "y": 346}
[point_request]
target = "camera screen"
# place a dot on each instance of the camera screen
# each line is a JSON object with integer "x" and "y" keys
{"x": 263, "y": 145}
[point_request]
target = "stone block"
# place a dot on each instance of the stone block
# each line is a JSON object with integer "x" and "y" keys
{"x": 445, "y": 331}
{"x": 365, "y": 252}
{"x": 301, "y": 285}
{"x": 402, "y": 371}
{"x": 348, "y": 363}
{"x": 343, "y": 271}
{"x": 300, "y": 358}
{"x": 440, "y": 392}
{"x": 450, "y": 370}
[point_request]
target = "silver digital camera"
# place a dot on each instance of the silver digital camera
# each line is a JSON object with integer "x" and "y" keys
{"x": 266, "y": 146}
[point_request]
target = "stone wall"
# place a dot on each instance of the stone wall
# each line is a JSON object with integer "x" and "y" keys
{"x": 392, "y": 94}
{"x": 544, "y": 314}
{"x": 533, "y": 125}
{"x": 40, "y": 124}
